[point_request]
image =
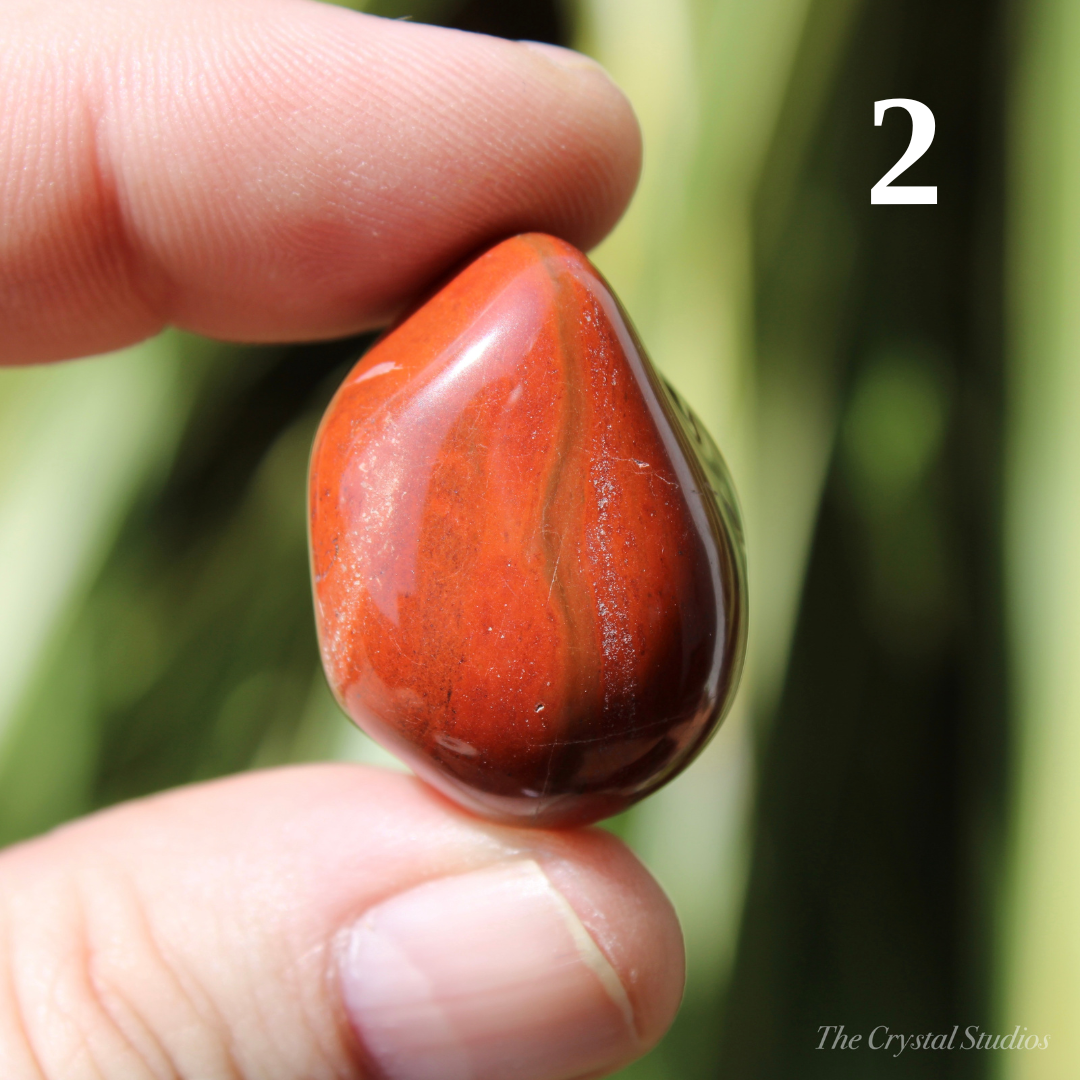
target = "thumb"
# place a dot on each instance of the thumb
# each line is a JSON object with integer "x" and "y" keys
{"x": 327, "y": 921}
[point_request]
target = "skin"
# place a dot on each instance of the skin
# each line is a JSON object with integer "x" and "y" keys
{"x": 265, "y": 171}
{"x": 268, "y": 170}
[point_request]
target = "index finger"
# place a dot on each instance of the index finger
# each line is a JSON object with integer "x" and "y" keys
{"x": 275, "y": 169}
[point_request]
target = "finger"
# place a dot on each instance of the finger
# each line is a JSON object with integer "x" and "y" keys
{"x": 327, "y": 921}
{"x": 274, "y": 169}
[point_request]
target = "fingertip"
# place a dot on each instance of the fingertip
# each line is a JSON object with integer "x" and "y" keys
{"x": 282, "y": 169}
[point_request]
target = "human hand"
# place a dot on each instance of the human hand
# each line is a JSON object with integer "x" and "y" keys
{"x": 265, "y": 171}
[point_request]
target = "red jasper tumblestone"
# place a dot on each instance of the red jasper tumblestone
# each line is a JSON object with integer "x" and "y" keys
{"x": 525, "y": 585}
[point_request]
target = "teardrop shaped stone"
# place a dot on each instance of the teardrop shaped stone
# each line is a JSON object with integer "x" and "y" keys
{"x": 528, "y": 567}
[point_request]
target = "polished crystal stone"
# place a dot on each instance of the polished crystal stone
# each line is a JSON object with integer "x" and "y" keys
{"x": 527, "y": 557}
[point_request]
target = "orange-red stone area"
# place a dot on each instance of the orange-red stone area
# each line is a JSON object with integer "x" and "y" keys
{"x": 523, "y": 584}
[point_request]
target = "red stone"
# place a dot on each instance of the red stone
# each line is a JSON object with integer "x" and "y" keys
{"x": 525, "y": 585}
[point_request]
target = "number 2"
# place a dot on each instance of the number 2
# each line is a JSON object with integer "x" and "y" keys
{"x": 922, "y": 135}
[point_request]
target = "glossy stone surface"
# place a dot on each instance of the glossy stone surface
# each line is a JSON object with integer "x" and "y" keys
{"x": 528, "y": 580}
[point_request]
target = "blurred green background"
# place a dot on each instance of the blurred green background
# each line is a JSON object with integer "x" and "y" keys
{"x": 887, "y": 829}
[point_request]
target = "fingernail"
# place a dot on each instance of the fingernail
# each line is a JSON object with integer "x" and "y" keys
{"x": 484, "y": 976}
{"x": 567, "y": 59}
